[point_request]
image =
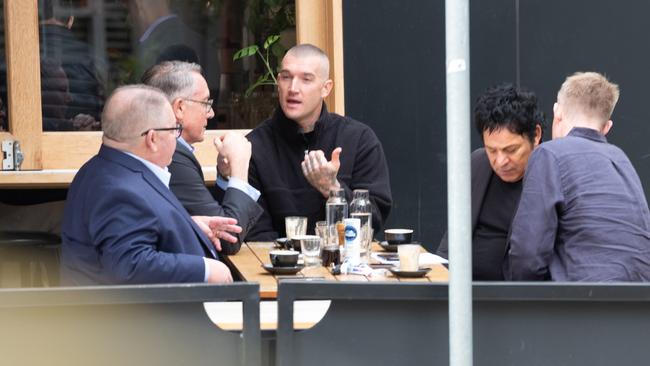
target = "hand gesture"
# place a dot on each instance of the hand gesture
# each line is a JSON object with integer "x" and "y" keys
{"x": 234, "y": 155}
{"x": 217, "y": 227}
{"x": 320, "y": 173}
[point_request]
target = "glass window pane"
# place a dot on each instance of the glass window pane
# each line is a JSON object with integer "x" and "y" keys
{"x": 89, "y": 47}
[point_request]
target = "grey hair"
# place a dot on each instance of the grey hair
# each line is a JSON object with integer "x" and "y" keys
{"x": 309, "y": 50}
{"x": 174, "y": 78}
{"x": 131, "y": 110}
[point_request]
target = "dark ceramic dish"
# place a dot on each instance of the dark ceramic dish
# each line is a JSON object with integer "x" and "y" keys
{"x": 398, "y": 236}
{"x": 283, "y": 270}
{"x": 413, "y": 274}
{"x": 284, "y": 258}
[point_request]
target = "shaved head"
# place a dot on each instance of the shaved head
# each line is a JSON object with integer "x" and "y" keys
{"x": 306, "y": 50}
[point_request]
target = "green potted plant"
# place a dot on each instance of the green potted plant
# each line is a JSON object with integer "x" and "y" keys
{"x": 270, "y": 46}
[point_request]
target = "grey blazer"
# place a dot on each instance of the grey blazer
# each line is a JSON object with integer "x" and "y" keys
{"x": 188, "y": 184}
{"x": 481, "y": 174}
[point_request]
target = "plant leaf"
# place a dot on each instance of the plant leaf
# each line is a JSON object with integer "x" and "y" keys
{"x": 271, "y": 40}
{"x": 245, "y": 52}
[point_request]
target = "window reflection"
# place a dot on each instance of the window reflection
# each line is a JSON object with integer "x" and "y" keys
{"x": 89, "y": 47}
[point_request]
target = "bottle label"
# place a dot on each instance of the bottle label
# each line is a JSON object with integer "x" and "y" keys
{"x": 352, "y": 245}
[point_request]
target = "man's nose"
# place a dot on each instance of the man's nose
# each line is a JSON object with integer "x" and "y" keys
{"x": 502, "y": 158}
{"x": 293, "y": 87}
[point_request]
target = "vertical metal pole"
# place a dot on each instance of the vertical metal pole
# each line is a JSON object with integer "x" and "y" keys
{"x": 458, "y": 182}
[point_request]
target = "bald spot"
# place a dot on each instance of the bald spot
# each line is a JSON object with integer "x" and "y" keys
{"x": 130, "y": 110}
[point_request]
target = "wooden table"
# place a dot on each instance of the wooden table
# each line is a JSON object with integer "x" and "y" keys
{"x": 247, "y": 264}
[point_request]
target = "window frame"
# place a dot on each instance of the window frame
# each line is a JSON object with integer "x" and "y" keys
{"x": 52, "y": 158}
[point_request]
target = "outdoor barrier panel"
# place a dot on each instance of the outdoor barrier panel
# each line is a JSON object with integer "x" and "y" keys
{"x": 126, "y": 325}
{"x": 367, "y": 324}
{"x": 542, "y": 323}
{"x": 561, "y": 324}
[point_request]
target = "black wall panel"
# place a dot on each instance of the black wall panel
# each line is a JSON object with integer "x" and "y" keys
{"x": 395, "y": 79}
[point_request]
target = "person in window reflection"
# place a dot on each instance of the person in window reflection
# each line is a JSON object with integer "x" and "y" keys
{"x": 56, "y": 98}
{"x": 81, "y": 103}
{"x": 188, "y": 93}
{"x": 303, "y": 151}
{"x": 583, "y": 214}
{"x": 163, "y": 36}
{"x": 510, "y": 124}
{"x": 122, "y": 224}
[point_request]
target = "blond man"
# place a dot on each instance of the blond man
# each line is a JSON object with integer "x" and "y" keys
{"x": 583, "y": 215}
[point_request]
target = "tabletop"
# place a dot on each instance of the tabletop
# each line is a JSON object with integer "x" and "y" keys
{"x": 247, "y": 264}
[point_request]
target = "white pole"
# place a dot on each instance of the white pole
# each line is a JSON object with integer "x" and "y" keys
{"x": 458, "y": 183}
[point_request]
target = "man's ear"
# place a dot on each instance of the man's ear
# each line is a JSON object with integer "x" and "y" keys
{"x": 538, "y": 135}
{"x": 151, "y": 141}
{"x": 327, "y": 88}
{"x": 608, "y": 125}
{"x": 557, "y": 113}
{"x": 178, "y": 106}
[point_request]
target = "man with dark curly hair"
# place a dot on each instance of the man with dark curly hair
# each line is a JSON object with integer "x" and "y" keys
{"x": 510, "y": 124}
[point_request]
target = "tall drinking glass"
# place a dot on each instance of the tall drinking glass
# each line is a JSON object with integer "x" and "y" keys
{"x": 336, "y": 210}
{"x": 361, "y": 208}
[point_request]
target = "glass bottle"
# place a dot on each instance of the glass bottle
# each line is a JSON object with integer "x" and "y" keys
{"x": 336, "y": 210}
{"x": 361, "y": 208}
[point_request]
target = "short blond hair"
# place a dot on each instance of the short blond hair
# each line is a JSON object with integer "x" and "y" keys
{"x": 589, "y": 94}
{"x": 305, "y": 50}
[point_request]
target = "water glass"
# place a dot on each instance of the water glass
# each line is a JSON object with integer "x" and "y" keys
{"x": 295, "y": 225}
{"x": 366, "y": 244}
{"x": 310, "y": 246}
{"x": 321, "y": 230}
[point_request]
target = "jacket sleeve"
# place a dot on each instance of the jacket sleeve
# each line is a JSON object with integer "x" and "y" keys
{"x": 188, "y": 185}
{"x": 126, "y": 231}
{"x": 370, "y": 171}
{"x": 534, "y": 227}
{"x": 263, "y": 229}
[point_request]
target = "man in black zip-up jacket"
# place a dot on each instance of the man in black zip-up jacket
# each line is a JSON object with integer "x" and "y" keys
{"x": 304, "y": 151}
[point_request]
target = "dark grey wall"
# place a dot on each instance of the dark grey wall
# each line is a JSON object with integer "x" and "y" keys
{"x": 395, "y": 80}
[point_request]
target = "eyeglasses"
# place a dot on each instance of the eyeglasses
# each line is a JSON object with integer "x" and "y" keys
{"x": 177, "y": 130}
{"x": 206, "y": 103}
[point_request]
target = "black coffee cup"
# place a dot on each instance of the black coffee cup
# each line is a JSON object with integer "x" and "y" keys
{"x": 284, "y": 258}
{"x": 398, "y": 236}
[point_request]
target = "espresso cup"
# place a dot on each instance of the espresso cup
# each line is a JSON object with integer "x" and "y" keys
{"x": 284, "y": 258}
{"x": 398, "y": 236}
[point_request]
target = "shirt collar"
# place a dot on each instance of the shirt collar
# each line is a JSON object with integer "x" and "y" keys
{"x": 587, "y": 133}
{"x": 291, "y": 129}
{"x": 162, "y": 173}
{"x": 184, "y": 143}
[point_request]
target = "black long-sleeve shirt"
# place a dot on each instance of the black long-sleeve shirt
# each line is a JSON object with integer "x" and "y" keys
{"x": 279, "y": 148}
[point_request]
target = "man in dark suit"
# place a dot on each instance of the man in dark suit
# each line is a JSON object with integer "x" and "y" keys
{"x": 188, "y": 93}
{"x": 121, "y": 223}
{"x": 511, "y": 126}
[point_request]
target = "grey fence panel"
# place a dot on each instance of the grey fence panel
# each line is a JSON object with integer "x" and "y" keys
{"x": 514, "y": 324}
{"x": 561, "y": 324}
{"x": 366, "y": 324}
{"x": 126, "y": 325}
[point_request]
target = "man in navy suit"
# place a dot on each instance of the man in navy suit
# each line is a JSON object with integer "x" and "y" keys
{"x": 122, "y": 224}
